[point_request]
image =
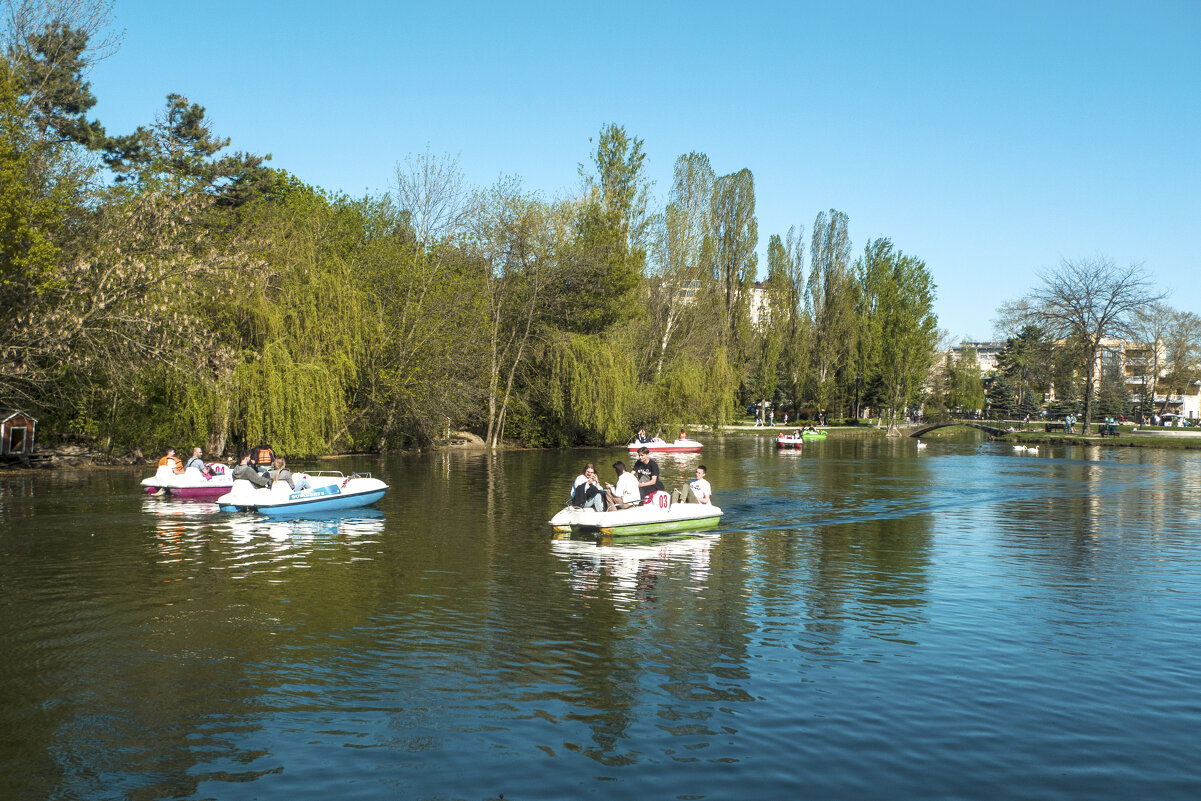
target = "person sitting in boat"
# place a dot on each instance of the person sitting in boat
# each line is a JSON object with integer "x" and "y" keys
{"x": 197, "y": 461}
{"x": 247, "y": 471}
{"x": 797, "y": 435}
{"x": 811, "y": 428}
{"x": 262, "y": 458}
{"x": 172, "y": 461}
{"x": 641, "y": 436}
{"x": 683, "y": 435}
{"x": 626, "y": 493}
{"x": 700, "y": 486}
{"x": 586, "y": 490}
{"x": 646, "y": 470}
{"x": 282, "y": 473}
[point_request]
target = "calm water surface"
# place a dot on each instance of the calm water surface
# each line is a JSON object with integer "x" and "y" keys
{"x": 870, "y": 621}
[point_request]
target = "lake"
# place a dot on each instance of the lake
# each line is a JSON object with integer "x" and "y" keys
{"x": 870, "y": 621}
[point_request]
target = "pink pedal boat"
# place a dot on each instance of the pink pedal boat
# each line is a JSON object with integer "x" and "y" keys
{"x": 191, "y": 483}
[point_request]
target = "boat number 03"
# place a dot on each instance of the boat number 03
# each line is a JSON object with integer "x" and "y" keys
{"x": 664, "y": 500}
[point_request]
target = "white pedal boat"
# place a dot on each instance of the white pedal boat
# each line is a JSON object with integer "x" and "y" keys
{"x": 327, "y": 492}
{"x": 660, "y": 445}
{"x": 191, "y": 483}
{"x": 644, "y": 519}
{"x": 790, "y": 441}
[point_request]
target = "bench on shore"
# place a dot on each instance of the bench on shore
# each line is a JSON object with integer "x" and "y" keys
{"x": 1056, "y": 427}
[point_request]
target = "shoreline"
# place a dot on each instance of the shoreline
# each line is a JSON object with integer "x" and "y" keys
{"x": 75, "y": 457}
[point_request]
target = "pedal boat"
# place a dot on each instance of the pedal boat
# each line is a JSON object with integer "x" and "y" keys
{"x": 191, "y": 483}
{"x": 644, "y": 519}
{"x": 328, "y": 491}
{"x": 789, "y": 441}
{"x": 819, "y": 434}
{"x": 660, "y": 445}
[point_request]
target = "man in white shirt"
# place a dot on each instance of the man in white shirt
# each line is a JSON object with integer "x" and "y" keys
{"x": 700, "y": 487}
{"x": 625, "y": 494}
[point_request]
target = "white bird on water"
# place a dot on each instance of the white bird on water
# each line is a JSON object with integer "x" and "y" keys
{"x": 920, "y": 444}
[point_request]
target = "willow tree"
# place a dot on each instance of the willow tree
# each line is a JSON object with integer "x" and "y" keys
{"x": 590, "y": 390}
{"x": 695, "y": 389}
{"x": 964, "y": 383}
{"x": 298, "y": 325}
{"x": 830, "y": 301}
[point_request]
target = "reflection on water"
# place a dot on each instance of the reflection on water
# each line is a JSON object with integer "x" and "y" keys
{"x": 868, "y": 622}
{"x": 629, "y": 571}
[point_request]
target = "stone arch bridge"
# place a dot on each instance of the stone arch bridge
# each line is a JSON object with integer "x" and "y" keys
{"x": 922, "y": 428}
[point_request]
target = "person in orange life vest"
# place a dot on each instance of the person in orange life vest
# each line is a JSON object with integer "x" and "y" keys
{"x": 172, "y": 460}
{"x": 262, "y": 458}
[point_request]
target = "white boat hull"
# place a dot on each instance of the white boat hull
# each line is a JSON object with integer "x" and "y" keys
{"x": 638, "y": 519}
{"x": 191, "y": 483}
{"x": 658, "y": 445}
{"x": 326, "y": 493}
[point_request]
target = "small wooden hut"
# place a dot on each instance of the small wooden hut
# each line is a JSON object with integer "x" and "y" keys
{"x": 18, "y": 431}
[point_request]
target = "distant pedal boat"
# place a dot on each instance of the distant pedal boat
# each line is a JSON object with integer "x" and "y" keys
{"x": 660, "y": 445}
{"x": 327, "y": 492}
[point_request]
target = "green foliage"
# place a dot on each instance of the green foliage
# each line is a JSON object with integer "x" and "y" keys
{"x": 830, "y": 302}
{"x": 56, "y": 97}
{"x": 201, "y": 298}
{"x": 30, "y": 212}
{"x": 297, "y": 407}
{"x": 1026, "y": 363}
{"x": 598, "y": 273}
{"x": 181, "y": 147}
{"x": 965, "y": 386}
{"x": 590, "y": 390}
{"x": 1113, "y": 399}
{"x": 734, "y": 237}
{"x": 1001, "y": 397}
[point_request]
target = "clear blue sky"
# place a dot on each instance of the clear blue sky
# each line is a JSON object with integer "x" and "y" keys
{"x": 991, "y": 139}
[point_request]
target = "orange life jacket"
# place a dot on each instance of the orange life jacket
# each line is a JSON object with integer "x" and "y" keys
{"x": 167, "y": 460}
